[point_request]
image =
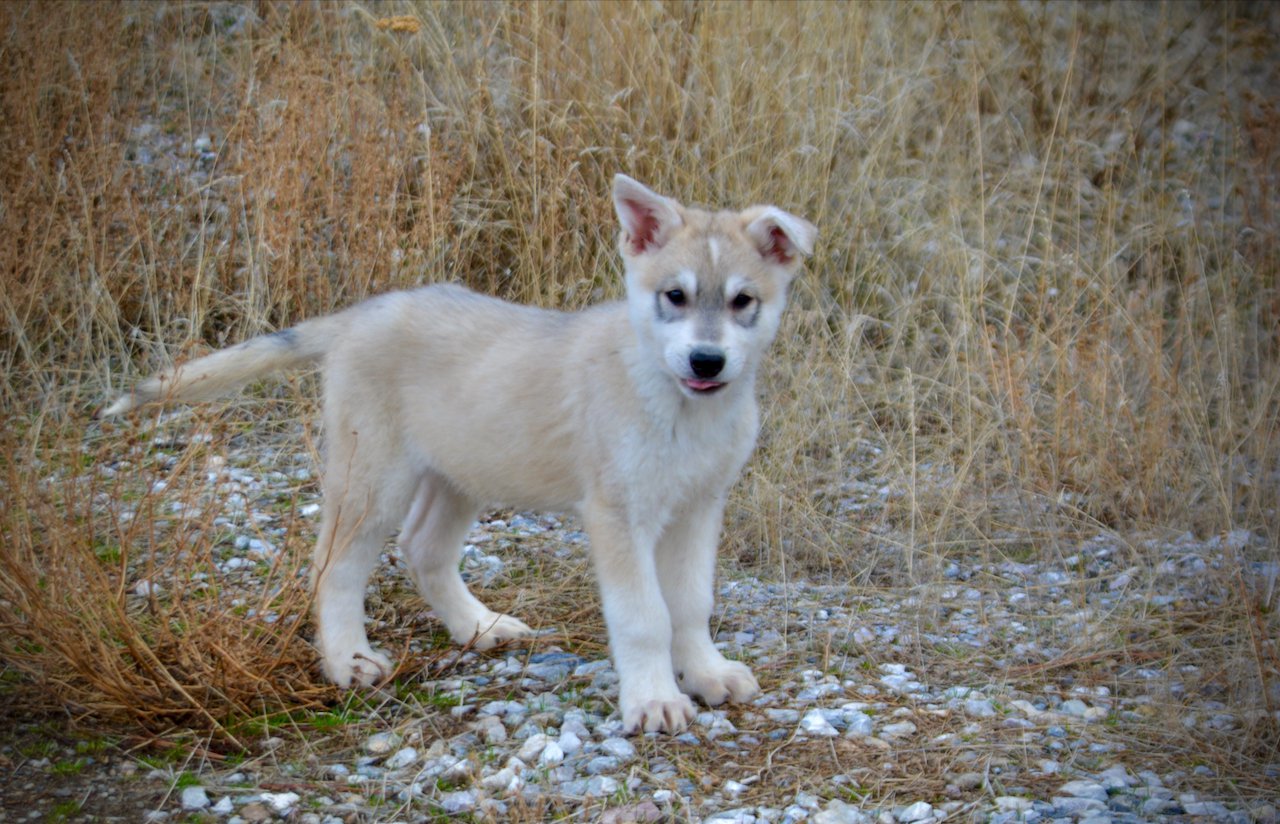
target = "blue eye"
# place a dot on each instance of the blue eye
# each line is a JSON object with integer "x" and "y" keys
{"x": 675, "y": 296}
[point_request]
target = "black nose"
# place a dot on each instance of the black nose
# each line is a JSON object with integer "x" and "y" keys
{"x": 706, "y": 363}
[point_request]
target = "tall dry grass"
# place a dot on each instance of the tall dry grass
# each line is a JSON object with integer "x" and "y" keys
{"x": 1045, "y": 300}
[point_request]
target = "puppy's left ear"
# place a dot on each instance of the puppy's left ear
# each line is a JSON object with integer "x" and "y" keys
{"x": 781, "y": 237}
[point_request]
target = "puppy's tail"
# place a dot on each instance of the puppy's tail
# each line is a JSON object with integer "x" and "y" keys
{"x": 229, "y": 369}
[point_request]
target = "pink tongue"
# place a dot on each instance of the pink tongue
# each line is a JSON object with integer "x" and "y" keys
{"x": 698, "y": 384}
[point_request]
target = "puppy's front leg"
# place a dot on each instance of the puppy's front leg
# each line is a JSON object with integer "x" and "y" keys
{"x": 686, "y": 567}
{"x": 639, "y": 623}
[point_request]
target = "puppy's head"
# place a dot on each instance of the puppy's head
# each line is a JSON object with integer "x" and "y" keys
{"x": 706, "y": 290}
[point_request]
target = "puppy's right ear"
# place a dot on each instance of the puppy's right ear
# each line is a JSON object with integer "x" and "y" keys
{"x": 648, "y": 219}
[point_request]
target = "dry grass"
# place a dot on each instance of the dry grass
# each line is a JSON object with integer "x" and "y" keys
{"x": 1045, "y": 301}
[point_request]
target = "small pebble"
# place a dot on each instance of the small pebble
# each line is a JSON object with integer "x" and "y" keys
{"x": 381, "y": 743}
{"x": 194, "y": 798}
{"x": 401, "y": 759}
{"x": 815, "y": 722}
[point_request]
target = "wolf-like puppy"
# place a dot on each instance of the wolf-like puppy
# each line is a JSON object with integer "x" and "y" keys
{"x": 638, "y": 414}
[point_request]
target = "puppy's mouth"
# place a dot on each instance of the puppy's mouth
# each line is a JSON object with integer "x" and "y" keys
{"x": 701, "y": 386}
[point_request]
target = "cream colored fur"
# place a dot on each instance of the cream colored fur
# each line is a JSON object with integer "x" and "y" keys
{"x": 639, "y": 415}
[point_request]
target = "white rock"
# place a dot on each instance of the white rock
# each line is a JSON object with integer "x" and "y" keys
{"x": 381, "y": 743}
{"x": 402, "y": 758}
{"x": 857, "y": 723}
{"x": 223, "y": 807}
{"x": 491, "y": 729}
{"x": 1013, "y": 804}
{"x": 454, "y": 768}
{"x": 194, "y": 798}
{"x": 716, "y": 724}
{"x": 815, "y": 723}
{"x": 1076, "y": 805}
{"x": 575, "y": 722}
{"x": 533, "y": 747}
{"x": 1116, "y": 777}
{"x": 900, "y": 683}
{"x": 901, "y": 729}
{"x": 918, "y": 811}
{"x": 458, "y": 802}
{"x": 1026, "y": 708}
{"x": 619, "y": 748}
{"x": 1073, "y": 706}
{"x": 781, "y": 715}
{"x": 979, "y": 708}
{"x": 732, "y": 817}
{"x": 815, "y": 692}
{"x": 838, "y": 812}
{"x": 1123, "y": 579}
{"x": 569, "y": 742}
{"x": 510, "y": 709}
{"x": 1084, "y": 789}
{"x": 262, "y": 549}
{"x": 281, "y": 802}
{"x": 551, "y": 755}
{"x": 504, "y": 780}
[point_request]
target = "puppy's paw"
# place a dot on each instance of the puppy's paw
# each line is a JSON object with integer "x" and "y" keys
{"x": 670, "y": 715}
{"x": 496, "y": 629}
{"x": 719, "y": 681}
{"x": 361, "y": 667}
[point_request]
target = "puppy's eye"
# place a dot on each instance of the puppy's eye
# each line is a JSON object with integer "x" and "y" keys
{"x": 676, "y": 296}
{"x": 741, "y": 301}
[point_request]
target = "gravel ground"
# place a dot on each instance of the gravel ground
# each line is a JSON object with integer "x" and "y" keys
{"x": 995, "y": 693}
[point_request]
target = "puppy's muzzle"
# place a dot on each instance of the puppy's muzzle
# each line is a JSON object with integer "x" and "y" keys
{"x": 706, "y": 363}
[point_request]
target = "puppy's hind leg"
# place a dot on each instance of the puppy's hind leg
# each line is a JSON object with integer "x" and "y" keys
{"x": 431, "y": 539}
{"x": 345, "y": 559}
{"x": 363, "y": 499}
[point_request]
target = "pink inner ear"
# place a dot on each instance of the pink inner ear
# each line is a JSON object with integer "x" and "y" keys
{"x": 780, "y": 249}
{"x": 643, "y": 228}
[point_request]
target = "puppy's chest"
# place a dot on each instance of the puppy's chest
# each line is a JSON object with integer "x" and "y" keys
{"x": 685, "y": 459}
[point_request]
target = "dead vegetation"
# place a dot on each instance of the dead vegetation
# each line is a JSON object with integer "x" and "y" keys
{"x": 1045, "y": 302}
